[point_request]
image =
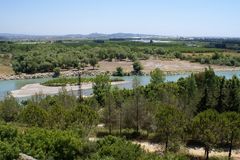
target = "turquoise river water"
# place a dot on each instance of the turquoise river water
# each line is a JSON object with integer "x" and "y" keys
{"x": 8, "y": 85}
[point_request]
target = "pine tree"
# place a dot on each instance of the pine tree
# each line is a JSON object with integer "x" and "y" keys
{"x": 206, "y": 129}
{"x": 170, "y": 124}
{"x": 221, "y": 99}
{"x": 234, "y": 95}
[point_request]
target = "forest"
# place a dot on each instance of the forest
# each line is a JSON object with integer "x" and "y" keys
{"x": 200, "y": 110}
{"x": 43, "y": 56}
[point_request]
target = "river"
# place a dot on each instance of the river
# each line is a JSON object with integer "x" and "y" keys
{"x": 8, "y": 85}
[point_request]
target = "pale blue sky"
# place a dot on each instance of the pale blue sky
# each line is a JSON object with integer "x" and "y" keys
{"x": 162, "y": 17}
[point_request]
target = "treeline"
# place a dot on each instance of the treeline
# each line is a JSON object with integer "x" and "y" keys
{"x": 233, "y": 44}
{"x": 44, "y": 57}
{"x": 216, "y": 58}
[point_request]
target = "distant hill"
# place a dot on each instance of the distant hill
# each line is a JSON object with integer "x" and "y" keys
{"x": 101, "y": 36}
{"x": 8, "y": 36}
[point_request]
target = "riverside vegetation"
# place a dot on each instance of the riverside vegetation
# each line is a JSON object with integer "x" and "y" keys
{"x": 200, "y": 110}
{"x": 63, "y": 81}
{"x": 35, "y": 57}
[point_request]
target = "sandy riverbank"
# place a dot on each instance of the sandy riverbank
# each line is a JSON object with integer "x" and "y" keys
{"x": 36, "y": 88}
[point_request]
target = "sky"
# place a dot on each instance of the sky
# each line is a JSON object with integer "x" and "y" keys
{"x": 161, "y": 17}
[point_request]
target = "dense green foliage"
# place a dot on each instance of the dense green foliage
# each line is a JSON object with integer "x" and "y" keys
{"x": 65, "y": 145}
{"x": 101, "y": 87}
{"x": 157, "y": 77}
{"x": 170, "y": 124}
{"x": 137, "y": 68}
{"x": 47, "y": 56}
{"x": 233, "y": 44}
{"x": 216, "y": 58}
{"x": 119, "y": 72}
{"x": 202, "y": 108}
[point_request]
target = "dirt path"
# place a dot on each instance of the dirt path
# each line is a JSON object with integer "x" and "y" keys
{"x": 214, "y": 153}
{"x": 153, "y": 147}
{"x": 158, "y": 148}
{"x": 150, "y": 147}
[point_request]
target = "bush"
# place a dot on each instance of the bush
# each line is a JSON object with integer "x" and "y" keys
{"x": 34, "y": 116}
{"x": 119, "y": 72}
{"x": 7, "y": 133}
{"x": 56, "y": 72}
{"x": 9, "y": 109}
{"x": 137, "y": 67}
{"x": 44, "y": 144}
{"x": 178, "y": 55}
{"x": 8, "y": 151}
{"x": 118, "y": 149}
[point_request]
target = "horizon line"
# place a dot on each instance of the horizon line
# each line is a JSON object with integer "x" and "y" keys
{"x": 160, "y": 35}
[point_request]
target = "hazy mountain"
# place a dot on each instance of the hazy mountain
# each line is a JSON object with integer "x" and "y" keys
{"x": 8, "y": 36}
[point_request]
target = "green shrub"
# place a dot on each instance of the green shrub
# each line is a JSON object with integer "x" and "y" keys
{"x": 118, "y": 149}
{"x": 7, "y": 133}
{"x": 119, "y": 72}
{"x": 50, "y": 144}
{"x": 56, "y": 72}
{"x": 8, "y": 151}
{"x": 34, "y": 116}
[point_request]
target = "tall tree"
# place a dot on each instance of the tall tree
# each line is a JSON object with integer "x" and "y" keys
{"x": 222, "y": 96}
{"x": 136, "y": 90}
{"x": 206, "y": 129}
{"x": 93, "y": 61}
{"x": 119, "y": 99}
{"x": 157, "y": 77}
{"x": 188, "y": 94}
{"x": 101, "y": 87}
{"x": 207, "y": 82}
{"x": 170, "y": 123}
{"x": 110, "y": 113}
{"x": 234, "y": 95}
{"x": 134, "y": 113}
{"x": 232, "y": 129}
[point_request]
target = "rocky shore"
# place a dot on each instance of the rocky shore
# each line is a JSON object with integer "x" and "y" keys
{"x": 74, "y": 73}
{"x": 69, "y": 73}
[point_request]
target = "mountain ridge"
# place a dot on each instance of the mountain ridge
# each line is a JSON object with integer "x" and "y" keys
{"x": 10, "y": 36}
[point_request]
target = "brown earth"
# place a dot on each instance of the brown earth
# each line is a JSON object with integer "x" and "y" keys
{"x": 174, "y": 65}
{"x": 5, "y": 70}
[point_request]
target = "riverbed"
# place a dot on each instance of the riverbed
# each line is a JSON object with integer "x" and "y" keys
{"x": 6, "y": 86}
